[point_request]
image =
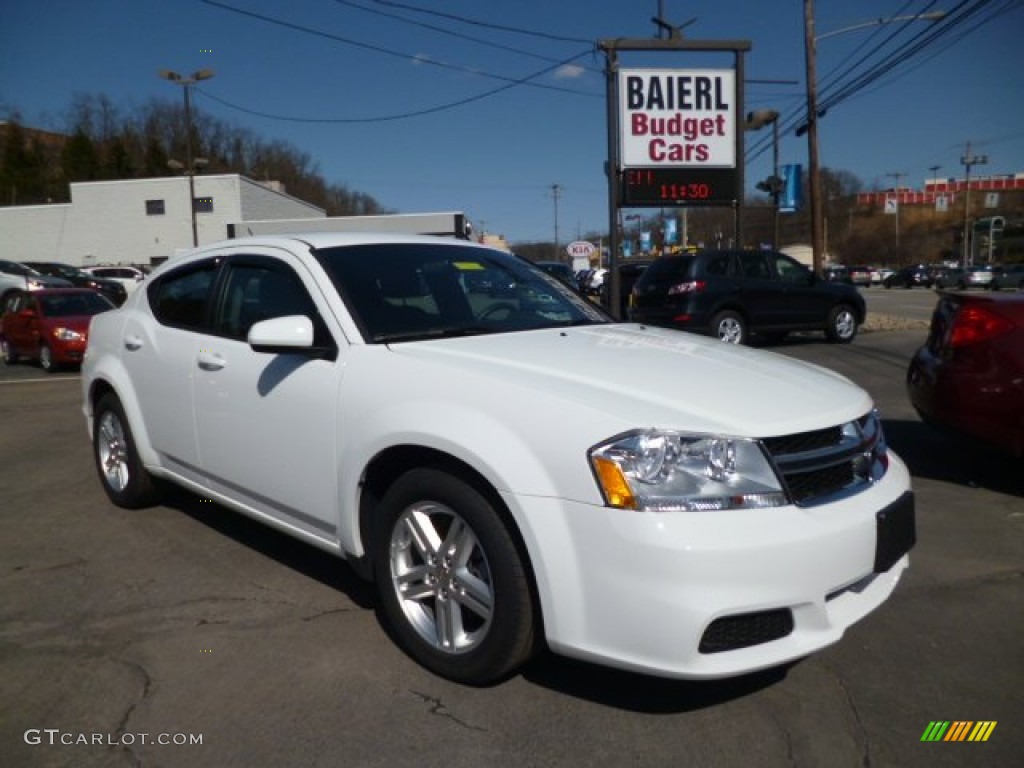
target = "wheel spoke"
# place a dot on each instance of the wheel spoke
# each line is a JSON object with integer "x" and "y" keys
{"x": 414, "y": 583}
{"x": 448, "y": 623}
{"x": 475, "y": 594}
{"x": 422, "y": 533}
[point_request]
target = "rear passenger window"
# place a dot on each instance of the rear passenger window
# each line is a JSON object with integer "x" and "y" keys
{"x": 180, "y": 298}
{"x": 718, "y": 265}
{"x": 754, "y": 265}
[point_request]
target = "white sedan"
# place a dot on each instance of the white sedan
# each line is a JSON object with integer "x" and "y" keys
{"x": 511, "y": 468}
{"x": 129, "y": 277}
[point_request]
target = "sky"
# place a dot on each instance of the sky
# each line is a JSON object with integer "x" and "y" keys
{"x": 498, "y": 109}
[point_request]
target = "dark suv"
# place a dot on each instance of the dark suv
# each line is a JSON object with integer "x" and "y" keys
{"x": 735, "y": 294}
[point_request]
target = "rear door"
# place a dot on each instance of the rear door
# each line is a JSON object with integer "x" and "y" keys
{"x": 159, "y": 353}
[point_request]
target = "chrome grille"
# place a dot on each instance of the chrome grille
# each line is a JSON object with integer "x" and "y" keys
{"x": 824, "y": 464}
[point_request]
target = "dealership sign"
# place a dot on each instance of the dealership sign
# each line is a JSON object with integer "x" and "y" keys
{"x": 580, "y": 249}
{"x": 671, "y": 118}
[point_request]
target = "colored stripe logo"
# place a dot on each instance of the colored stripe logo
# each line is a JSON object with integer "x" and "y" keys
{"x": 958, "y": 730}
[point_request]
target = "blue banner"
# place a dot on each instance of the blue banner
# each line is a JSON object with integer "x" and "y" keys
{"x": 791, "y": 199}
{"x": 671, "y": 231}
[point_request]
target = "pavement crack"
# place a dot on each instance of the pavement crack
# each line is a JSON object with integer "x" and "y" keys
{"x": 437, "y": 707}
{"x": 121, "y": 728}
{"x": 865, "y": 758}
{"x": 321, "y": 614}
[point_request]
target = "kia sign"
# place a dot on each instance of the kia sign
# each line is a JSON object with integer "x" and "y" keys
{"x": 580, "y": 249}
{"x": 670, "y": 118}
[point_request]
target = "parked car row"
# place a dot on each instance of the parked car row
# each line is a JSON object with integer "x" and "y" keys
{"x": 992, "y": 277}
{"x": 49, "y": 325}
{"x": 46, "y": 308}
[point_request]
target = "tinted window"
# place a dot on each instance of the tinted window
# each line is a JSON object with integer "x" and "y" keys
{"x": 71, "y": 304}
{"x": 180, "y": 298}
{"x": 403, "y": 292}
{"x": 260, "y": 290}
{"x": 718, "y": 265}
{"x": 753, "y": 264}
{"x": 790, "y": 270}
{"x": 667, "y": 271}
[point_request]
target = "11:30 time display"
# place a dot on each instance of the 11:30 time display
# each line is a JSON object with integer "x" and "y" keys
{"x": 678, "y": 186}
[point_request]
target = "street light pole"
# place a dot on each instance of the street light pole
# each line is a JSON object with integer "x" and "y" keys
{"x": 814, "y": 180}
{"x": 897, "y": 175}
{"x": 186, "y": 83}
{"x": 969, "y": 159}
{"x": 756, "y": 121}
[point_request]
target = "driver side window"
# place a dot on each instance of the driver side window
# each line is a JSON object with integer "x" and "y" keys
{"x": 790, "y": 271}
{"x": 255, "y": 291}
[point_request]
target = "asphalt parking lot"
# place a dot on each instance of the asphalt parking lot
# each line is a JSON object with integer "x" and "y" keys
{"x": 186, "y": 623}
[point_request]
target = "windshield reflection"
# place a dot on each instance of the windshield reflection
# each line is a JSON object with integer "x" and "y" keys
{"x": 411, "y": 292}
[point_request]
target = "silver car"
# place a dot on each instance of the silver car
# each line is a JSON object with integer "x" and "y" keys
{"x": 15, "y": 276}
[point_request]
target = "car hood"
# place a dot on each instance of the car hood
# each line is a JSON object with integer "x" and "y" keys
{"x": 645, "y": 377}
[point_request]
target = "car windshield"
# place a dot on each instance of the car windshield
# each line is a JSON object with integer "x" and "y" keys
{"x": 408, "y": 292}
{"x": 74, "y": 304}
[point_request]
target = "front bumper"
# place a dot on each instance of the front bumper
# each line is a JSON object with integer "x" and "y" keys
{"x": 640, "y": 590}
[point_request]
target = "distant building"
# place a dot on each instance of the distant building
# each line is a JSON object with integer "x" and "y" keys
{"x": 140, "y": 221}
{"x": 934, "y": 189}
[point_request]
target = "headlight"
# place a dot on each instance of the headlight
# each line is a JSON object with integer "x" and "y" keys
{"x": 661, "y": 470}
{"x": 66, "y": 334}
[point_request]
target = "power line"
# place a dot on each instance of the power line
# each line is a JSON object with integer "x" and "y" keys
{"x": 401, "y": 55}
{"x": 486, "y": 24}
{"x": 451, "y": 33}
{"x": 400, "y": 116}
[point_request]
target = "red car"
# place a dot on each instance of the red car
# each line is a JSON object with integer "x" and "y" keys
{"x": 50, "y": 325}
{"x": 969, "y": 375}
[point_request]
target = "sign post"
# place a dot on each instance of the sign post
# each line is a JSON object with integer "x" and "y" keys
{"x": 674, "y": 135}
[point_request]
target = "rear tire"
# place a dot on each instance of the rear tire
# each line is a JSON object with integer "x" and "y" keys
{"x": 730, "y": 327}
{"x": 451, "y": 585}
{"x": 9, "y": 355}
{"x": 842, "y": 324}
{"x": 121, "y": 472}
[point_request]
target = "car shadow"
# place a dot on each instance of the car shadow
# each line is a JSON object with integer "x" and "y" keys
{"x": 635, "y": 692}
{"x": 290, "y": 552}
{"x": 937, "y": 455}
{"x": 580, "y": 679}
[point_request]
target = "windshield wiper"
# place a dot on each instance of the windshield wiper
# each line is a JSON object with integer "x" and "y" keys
{"x": 434, "y": 333}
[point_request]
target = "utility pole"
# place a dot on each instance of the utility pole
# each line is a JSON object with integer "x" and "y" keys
{"x": 897, "y": 175}
{"x": 968, "y": 160}
{"x": 556, "y": 190}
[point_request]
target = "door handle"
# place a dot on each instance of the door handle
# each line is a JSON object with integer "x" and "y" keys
{"x": 210, "y": 361}
{"x": 132, "y": 342}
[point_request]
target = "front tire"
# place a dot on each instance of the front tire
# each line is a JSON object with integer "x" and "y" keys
{"x": 46, "y": 361}
{"x": 121, "y": 472}
{"x": 450, "y": 581}
{"x": 730, "y": 327}
{"x": 842, "y": 324}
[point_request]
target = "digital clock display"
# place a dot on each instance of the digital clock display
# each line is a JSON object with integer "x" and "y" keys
{"x": 658, "y": 187}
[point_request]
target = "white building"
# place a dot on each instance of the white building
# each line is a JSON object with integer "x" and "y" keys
{"x": 140, "y": 221}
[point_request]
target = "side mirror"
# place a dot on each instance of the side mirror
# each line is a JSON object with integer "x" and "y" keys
{"x": 291, "y": 333}
{"x": 288, "y": 335}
